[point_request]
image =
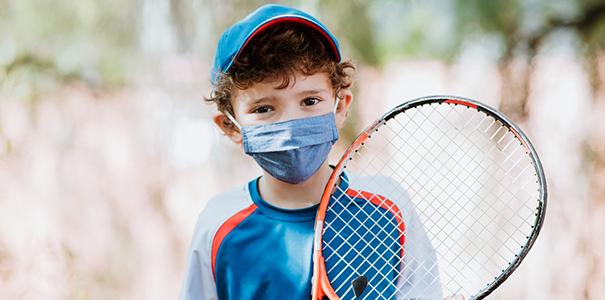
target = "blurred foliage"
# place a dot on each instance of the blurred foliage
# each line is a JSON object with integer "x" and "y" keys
{"x": 357, "y": 32}
{"x": 44, "y": 42}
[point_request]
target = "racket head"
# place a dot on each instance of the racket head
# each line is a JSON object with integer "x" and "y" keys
{"x": 457, "y": 129}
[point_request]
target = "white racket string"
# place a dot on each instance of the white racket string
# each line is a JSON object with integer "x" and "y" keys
{"x": 460, "y": 180}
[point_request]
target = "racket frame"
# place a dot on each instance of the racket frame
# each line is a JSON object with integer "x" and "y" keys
{"x": 321, "y": 287}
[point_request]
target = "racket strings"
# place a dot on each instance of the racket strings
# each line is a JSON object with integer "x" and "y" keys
{"x": 450, "y": 172}
{"x": 448, "y": 160}
{"x": 490, "y": 150}
{"x": 499, "y": 129}
{"x": 359, "y": 269}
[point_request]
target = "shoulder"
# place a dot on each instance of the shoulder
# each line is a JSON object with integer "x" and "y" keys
{"x": 224, "y": 205}
{"x": 199, "y": 280}
{"x": 218, "y": 210}
{"x": 385, "y": 187}
{"x": 381, "y": 185}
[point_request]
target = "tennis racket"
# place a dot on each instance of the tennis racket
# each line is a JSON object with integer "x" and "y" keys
{"x": 440, "y": 196}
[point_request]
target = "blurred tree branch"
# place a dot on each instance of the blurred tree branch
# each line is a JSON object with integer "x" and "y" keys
{"x": 183, "y": 24}
{"x": 585, "y": 24}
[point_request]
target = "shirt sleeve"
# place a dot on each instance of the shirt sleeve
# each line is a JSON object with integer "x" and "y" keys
{"x": 199, "y": 282}
{"x": 420, "y": 270}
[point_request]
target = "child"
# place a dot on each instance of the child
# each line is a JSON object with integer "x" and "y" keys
{"x": 282, "y": 92}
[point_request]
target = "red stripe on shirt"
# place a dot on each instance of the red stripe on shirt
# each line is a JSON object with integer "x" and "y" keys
{"x": 386, "y": 204}
{"x": 226, "y": 228}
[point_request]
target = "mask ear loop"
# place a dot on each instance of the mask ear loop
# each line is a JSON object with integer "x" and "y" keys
{"x": 336, "y": 105}
{"x": 232, "y": 119}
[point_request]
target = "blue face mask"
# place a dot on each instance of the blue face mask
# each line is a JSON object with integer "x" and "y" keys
{"x": 291, "y": 151}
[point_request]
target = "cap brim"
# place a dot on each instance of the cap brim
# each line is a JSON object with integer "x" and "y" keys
{"x": 290, "y": 19}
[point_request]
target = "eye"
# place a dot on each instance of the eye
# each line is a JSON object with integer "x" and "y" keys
{"x": 310, "y": 101}
{"x": 262, "y": 109}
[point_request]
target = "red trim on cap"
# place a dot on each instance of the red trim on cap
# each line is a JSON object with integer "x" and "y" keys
{"x": 226, "y": 228}
{"x": 293, "y": 20}
{"x": 386, "y": 204}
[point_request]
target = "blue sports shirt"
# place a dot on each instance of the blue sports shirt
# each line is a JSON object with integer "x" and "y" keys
{"x": 245, "y": 248}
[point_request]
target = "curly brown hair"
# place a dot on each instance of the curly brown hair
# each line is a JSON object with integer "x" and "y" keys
{"x": 277, "y": 54}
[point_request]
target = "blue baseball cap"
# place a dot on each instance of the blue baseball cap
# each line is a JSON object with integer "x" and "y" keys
{"x": 235, "y": 38}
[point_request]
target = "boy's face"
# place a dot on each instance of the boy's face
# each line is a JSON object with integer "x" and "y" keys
{"x": 263, "y": 103}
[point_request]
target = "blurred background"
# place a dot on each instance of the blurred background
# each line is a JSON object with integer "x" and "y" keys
{"x": 108, "y": 152}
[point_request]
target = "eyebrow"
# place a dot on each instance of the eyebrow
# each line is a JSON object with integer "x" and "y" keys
{"x": 259, "y": 100}
{"x": 311, "y": 92}
{"x": 301, "y": 93}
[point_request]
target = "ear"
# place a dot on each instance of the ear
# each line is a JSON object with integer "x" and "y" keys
{"x": 228, "y": 128}
{"x": 342, "y": 110}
